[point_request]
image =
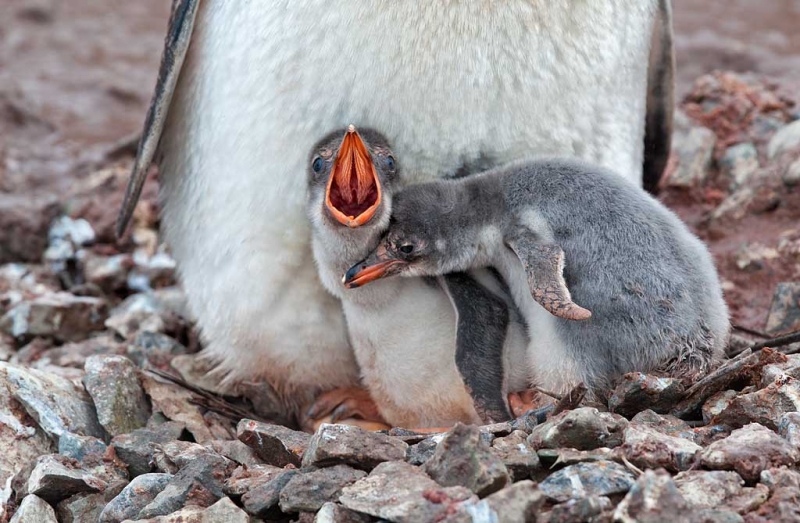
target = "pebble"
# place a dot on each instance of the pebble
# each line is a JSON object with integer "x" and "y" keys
{"x": 236, "y": 451}
{"x": 263, "y": 500}
{"x": 601, "y": 478}
{"x": 78, "y": 447}
{"x": 765, "y": 406}
{"x": 136, "y": 448}
{"x": 244, "y": 479}
{"x": 513, "y": 450}
{"x": 55, "y": 478}
{"x": 584, "y": 428}
{"x": 717, "y": 403}
{"x": 637, "y": 392}
{"x": 333, "y": 513}
{"x": 653, "y": 499}
{"x": 462, "y": 459}
{"x": 34, "y": 509}
{"x": 308, "y": 491}
{"x": 274, "y": 444}
{"x": 113, "y": 384}
{"x": 401, "y": 493}
{"x": 134, "y": 497}
{"x": 154, "y": 348}
{"x": 81, "y": 508}
{"x": 749, "y": 451}
{"x": 580, "y": 510}
{"x": 175, "y": 403}
{"x": 784, "y": 314}
{"x": 61, "y": 316}
{"x": 738, "y": 163}
{"x": 787, "y": 138}
{"x": 24, "y": 223}
{"x": 709, "y": 488}
{"x": 349, "y": 445}
{"x": 693, "y": 151}
{"x": 423, "y": 451}
{"x": 647, "y": 448}
{"x": 789, "y": 428}
{"x": 791, "y": 176}
{"x": 665, "y": 424}
{"x": 223, "y": 511}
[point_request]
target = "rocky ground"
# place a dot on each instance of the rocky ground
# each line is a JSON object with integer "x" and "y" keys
{"x": 107, "y": 414}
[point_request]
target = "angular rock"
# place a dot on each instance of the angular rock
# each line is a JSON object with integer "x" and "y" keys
{"x": 62, "y": 316}
{"x": 517, "y": 503}
{"x": 175, "y": 403}
{"x": 579, "y": 510}
{"x": 647, "y": 448}
{"x": 134, "y": 497}
{"x": 200, "y": 480}
{"x": 402, "y": 493}
{"x": 552, "y": 458}
{"x": 423, "y": 451}
{"x": 784, "y": 314}
{"x": 791, "y": 176}
{"x": 262, "y": 501}
{"x": 244, "y": 479}
{"x": 516, "y": 455}
{"x": 780, "y": 478}
{"x": 24, "y": 222}
{"x": 693, "y": 151}
{"x": 136, "y": 448}
{"x": 127, "y": 325}
{"x": 787, "y": 138}
{"x": 223, "y": 511}
{"x": 110, "y": 273}
{"x": 654, "y": 498}
{"x": 75, "y": 354}
{"x": 198, "y": 370}
{"x": 81, "y": 508}
{"x": 34, "y": 509}
{"x": 55, "y": 478}
{"x": 172, "y": 456}
{"x": 274, "y": 444}
{"x": 637, "y": 392}
{"x": 718, "y": 403}
{"x": 236, "y": 451}
{"x": 584, "y": 428}
{"x": 783, "y": 505}
{"x": 713, "y": 515}
{"x": 349, "y": 445}
{"x": 113, "y": 384}
{"x": 665, "y": 424}
{"x": 602, "y": 478}
{"x": 738, "y": 163}
{"x": 789, "y": 428}
{"x": 78, "y": 447}
{"x": 765, "y": 406}
{"x": 154, "y": 348}
{"x": 307, "y": 492}
{"x": 333, "y": 513}
{"x": 749, "y": 451}
{"x": 462, "y": 459}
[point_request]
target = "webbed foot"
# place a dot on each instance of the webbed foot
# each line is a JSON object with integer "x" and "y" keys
{"x": 349, "y": 405}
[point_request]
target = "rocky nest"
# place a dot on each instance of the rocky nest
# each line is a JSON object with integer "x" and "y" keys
{"x": 108, "y": 413}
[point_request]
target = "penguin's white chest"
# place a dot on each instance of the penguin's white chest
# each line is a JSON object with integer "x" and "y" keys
{"x": 447, "y": 82}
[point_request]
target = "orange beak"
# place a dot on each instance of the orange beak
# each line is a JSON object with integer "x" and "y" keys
{"x": 354, "y": 192}
{"x": 379, "y": 264}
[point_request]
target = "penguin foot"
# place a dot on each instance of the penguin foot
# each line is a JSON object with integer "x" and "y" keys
{"x": 523, "y": 402}
{"x": 343, "y": 405}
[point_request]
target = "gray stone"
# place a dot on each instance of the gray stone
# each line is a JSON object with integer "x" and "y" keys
{"x": 134, "y": 497}
{"x": 308, "y": 491}
{"x": 784, "y": 314}
{"x": 81, "y": 508}
{"x": 236, "y": 451}
{"x": 601, "y": 478}
{"x": 401, "y": 493}
{"x": 175, "y": 403}
{"x": 749, "y": 451}
{"x": 694, "y": 151}
{"x": 776, "y": 478}
{"x": 765, "y": 406}
{"x": 274, "y": 444}
{"x": 516, "y": 455}
{"x": 78, "y": 447}
{"x": 718, "y": 403}
{"x": 110, "y": 273}
{"x": 665, "y": 424}
{"x": 172, "y": 456}
{"x": 201, "y": 480}
{"x": 24, "y": 222}
{"x": 789, "y": 428}
{"x": 785, "y": 139}
{"x": 130, "y": 324}
{"x": 151, "y": 271}
{"x": 791, "y": 176}
{"x": 647, "y": 448}
{"x": 556, "y": 458}
{"x": 653, "y": 499}
{"x": 34, "y": 509}
{"x": 713, "y": 515}
{"x": 349, "y": 445}
{"x": 223, "y": 511}
{"x": 62, "y": 316}
{"x": 244, "y": 479}
{"x": 709, "y": 488}
{"x": 637, "y": 392}
{"x": 333, "y": 513}
{"x": 783, "y": 505}
{"x": 462, "y": 459}
{"x": 517, "y": 503}
{"x": 584, "y": 428}
{"x": 738, "y": 163}
{"x": 136, "y": 448}
{"x": 262, "y": 501}
{"x": 55, "y": 478}
{"x": 113, "y": 384}
{"x": 154, "y": 348}
{"x": 423, "y": 451}
{"x": 579, "y": 510}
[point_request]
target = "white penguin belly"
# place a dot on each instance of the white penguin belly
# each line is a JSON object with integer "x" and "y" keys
{"x": 446, "y": 81}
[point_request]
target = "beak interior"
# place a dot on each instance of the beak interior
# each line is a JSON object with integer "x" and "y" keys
{"x": 353, "y": 192}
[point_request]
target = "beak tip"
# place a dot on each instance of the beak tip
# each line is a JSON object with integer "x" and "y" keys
{"x": 351, "y": 128}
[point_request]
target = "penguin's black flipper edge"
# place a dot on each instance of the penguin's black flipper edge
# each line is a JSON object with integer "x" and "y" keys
{"x": 544, "y": 267}
{"x": 482, "y": 320}
{"x": 179, "y": 35}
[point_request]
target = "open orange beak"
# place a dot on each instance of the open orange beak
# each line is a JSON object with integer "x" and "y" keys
{"x": 353, "y": 193}
{"x": 377, "y": 265}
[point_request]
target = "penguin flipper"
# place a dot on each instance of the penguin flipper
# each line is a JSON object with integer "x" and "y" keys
{"x": 179, "y": 35}
{"x": 482, "y": 320}
{"x": 544, "y": 266}
{"x": 660, "y": 99}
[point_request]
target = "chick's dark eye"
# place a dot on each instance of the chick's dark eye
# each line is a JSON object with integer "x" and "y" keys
{"x": 317, "y": 165}
{"x": 407, "y": 248}
{"x": 390, "y": 162}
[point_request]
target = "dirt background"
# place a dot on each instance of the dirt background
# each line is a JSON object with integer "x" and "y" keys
{"x": 76, "y": 77}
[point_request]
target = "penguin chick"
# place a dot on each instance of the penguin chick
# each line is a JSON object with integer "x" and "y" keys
{"x": 430, "y": 353}
{"x": 608, "y": 280}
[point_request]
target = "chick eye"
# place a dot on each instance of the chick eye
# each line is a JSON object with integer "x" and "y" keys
{"x": 317, "y": 165}
{"x": 407, "y": 248}
{"x": 390, "y": 162}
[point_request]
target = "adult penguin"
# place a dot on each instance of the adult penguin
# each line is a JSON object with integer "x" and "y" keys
{"x": 246, "y": 88}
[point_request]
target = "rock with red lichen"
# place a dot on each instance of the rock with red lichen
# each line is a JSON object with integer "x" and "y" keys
{"x": 647, "y": 448}
{"x": 350, "y": 445}
{"x": 765, "y": 406}
{"x": 276, "y": 445}
{"x": 653, "y": 499}
{"x": 749, "y": 451}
